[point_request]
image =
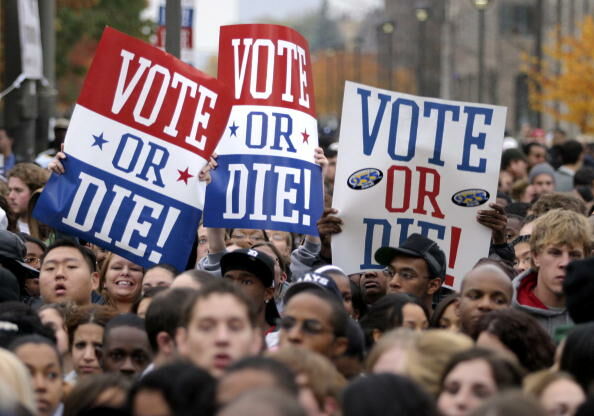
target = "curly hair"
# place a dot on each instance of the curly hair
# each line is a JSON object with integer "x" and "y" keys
{"x": 32, "y": 175}
{"x": 522, "y": 335}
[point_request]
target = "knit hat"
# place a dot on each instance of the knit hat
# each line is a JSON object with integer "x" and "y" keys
{"x": 539, "y": 170}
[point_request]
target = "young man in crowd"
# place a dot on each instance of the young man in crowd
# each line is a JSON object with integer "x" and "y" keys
{"x": 484, "y": 289}
{"x": 68, "y": 274}
{"x": 572, "y": 155}
{"x": 558, "y": 237}
{"x": 417, "y": 267}
{"x": 219, "y": 326}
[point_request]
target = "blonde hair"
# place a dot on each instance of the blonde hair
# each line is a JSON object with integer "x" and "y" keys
{"x": 15, "y": 376}
{"x": 536, "y": 383}
{"x": 430, "y": 355}
{"x": 561, "y": 227}
{"x": 323, "y": 378}
{"x": 404, "y": 338}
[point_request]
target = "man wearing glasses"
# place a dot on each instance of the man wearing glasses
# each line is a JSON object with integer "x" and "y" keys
{"x": 416, "y": 267}
{"x": 314, "y": 317}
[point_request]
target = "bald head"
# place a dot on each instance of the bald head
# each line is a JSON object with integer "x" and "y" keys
{"x": 485, "y": 288}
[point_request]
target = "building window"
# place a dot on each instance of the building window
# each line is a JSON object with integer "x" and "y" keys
{"x": 516, "y": 19}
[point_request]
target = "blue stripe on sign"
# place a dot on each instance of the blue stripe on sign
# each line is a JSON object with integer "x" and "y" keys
{"x": 240, "y": 208}
{"x": 175, "y": 225}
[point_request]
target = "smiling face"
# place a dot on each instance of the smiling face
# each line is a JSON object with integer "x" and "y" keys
{"x": 123, "y": 279}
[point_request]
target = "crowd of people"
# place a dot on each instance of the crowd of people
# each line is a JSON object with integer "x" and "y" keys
{"x": 262, "y": 322}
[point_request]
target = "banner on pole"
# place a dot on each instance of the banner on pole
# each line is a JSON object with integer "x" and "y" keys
{"x": 411, "y": 164}
{"x": 266, "y": 178}
{"x": 144, "y": 125}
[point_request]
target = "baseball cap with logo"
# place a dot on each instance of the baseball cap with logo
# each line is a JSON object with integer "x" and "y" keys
{"x": 253, "y": 261}
{"x": 313, "y": 281}
{"x": 419, "y": 246}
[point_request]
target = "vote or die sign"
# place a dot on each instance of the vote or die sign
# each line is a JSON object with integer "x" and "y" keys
{"x": 266, "y": 177}
{"x": 143, "y": 127}
{"x": 411, "y": 164}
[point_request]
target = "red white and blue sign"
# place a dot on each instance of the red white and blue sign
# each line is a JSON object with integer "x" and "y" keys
{"x": 266, "y": 176}
{"x": 143, "y": 127}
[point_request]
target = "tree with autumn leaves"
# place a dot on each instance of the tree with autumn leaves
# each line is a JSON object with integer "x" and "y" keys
{"x": 562, "y": 84}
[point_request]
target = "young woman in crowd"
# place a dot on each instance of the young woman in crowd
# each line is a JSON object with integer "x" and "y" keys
{"x": 445, "y": 315}
{"x": 473, "y": 376}
{"x": 107, "y": 391}
{"x": 557, "y": 392}
{"x": 85, "y": 334}
{"x": 120, "y": 282}
{"x": 54, "y": 316}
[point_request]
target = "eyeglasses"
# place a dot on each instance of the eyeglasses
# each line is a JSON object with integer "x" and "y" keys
{"x": 308, "y": 326}
{"x": 390, "y": 272}
{"x": 32, "y": 260}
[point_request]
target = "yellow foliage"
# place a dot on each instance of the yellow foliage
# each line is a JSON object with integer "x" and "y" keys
{"x": 566, "y": 76}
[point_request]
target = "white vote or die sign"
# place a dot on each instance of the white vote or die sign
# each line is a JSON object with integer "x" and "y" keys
{"x": 410, "y": 164}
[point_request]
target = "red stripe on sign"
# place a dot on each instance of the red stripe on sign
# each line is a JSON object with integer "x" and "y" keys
{"x": 145, "y": 88}
{"x": 267, "y": 65}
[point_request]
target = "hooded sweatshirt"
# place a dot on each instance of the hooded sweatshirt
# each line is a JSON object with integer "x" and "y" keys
{"x": 525, "y": 300}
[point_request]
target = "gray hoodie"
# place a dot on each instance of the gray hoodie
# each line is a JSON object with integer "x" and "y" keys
{"x": 550, "y": 318}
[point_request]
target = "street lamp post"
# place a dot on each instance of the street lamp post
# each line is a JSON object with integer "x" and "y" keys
{"x": 481, "y": 6}
{"x": 422, "y": 14}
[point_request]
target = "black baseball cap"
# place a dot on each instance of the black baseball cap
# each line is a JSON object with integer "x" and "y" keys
{"x": 250, "y": 260}
{"x": 12, "y": 255}
{"x": 419, "y": 246}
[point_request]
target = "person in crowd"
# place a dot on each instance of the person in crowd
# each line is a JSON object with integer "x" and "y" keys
{"x": 178, "y": 389}
{"x": 314, "y": 319}
{"x": 445, "y": 315}
{"x": 15, "y": 377}
{"x": 35, "y": 251}
{"x": 473, "y": 376}
{"x": 42, "y": 359}
{"x": 141, "y": 305}
{"x": 273, "y": 402}
{"x": 105, "y": 391}
{"x": 430, "y": 355}
{"x": 282, "y": 240}
{"x": 522, "y": 261}
{"x": 343, "y": 284}
{"x": 23, "y": 180}
{"x": 120, "y": 282}
{"x": 542, "y": 179}
{"x": 514, "y": 332}
{"x": 18, "y": 319}
{"x": 535, "y": 153}
{"x": 572, "y": 155}
{"x": 192, "y": 279}
{"x": 557, "y": 392}
{"x": 578, "y": 288}
{"x": 417, "y": 267}
{"x": 54, "y": 316}
{"x": 203, "y": 247}
{"x": 253, "y": 373}
{"x": 393, "y": 311}
{"x": 160, "y": 275}
{"x": 163, "y": 317}
{"x": 320, "y": 383}
{"x": 554, "y": 200}
{"x": 253, "y": 271}
{"x": 281, "y": 278}
{"x": 514, "y": 162}
{"x": 381, "y": 394}
{"x": 577, "y": 357}
{"x": 12, "y": 260}
{"x": 374, "y": 285}
{"x": 390, "y": 353}
{"x": 126, "y": 347}
{"x": 68, "y": 274}
{"x": 559, "y": 237}
{"x": 85, "y": 328}
{"x": 485, "y": 288}
{"x": 7, "y": 157}
{"x": 219, "y": 326}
